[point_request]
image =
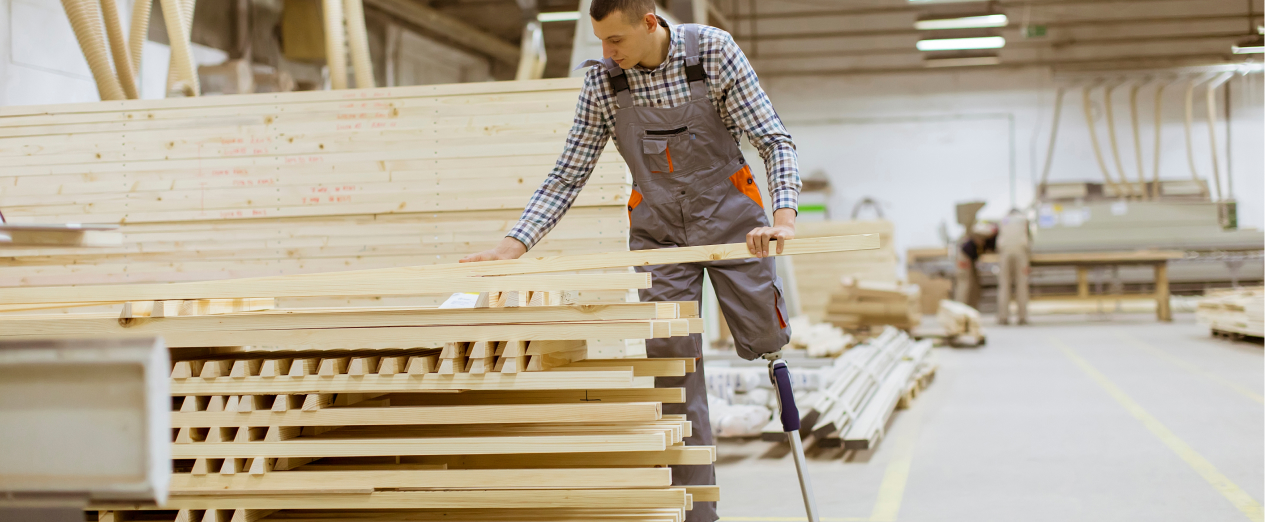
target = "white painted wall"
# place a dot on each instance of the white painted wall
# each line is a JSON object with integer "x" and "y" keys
{"x": 921, "y": 142}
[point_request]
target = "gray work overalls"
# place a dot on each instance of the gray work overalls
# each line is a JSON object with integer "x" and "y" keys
{"x": 691, "y": 187}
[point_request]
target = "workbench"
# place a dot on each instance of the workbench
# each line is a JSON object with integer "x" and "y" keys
{"x": 1084, "y": 261}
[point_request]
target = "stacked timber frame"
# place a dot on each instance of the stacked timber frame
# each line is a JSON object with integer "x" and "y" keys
{"x": 487, "y": 413}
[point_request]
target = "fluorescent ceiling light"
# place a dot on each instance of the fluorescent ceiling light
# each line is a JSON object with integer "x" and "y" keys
{"x": 957, "y": 44}
{"x": 558, "y": 16}
{"x": 964, "y": 22}
{"x": 1255, "y": 49}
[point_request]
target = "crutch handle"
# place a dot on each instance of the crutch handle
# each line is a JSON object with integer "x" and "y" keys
{"x": 780, "y": 374}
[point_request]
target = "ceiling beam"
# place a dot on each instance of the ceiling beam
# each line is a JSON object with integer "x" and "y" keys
{"x": 1113, "y": 63}
{"x": 910, "y": 31}
{"x": 918, "y": 7}
{"x": 458, "y": 32}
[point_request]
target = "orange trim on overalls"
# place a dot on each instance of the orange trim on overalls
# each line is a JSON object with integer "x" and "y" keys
{"x": 633, "y": 201}
{"x": 780, "y": 320}
{"x": 745, "y": 183}
{"x": 668, "y": 151}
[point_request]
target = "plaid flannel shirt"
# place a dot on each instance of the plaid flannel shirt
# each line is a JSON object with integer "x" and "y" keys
{"x": 733, "y": 89}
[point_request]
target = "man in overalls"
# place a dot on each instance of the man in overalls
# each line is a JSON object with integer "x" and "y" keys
{"x": 677, "y": 100}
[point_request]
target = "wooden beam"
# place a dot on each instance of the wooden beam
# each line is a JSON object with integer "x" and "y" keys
{"x": 183, "y": 484}
{"x": 456, "y": 499}
{"x": 647, "y": 441}
{"x": 673, "y": 455}
{"x": 457, "y": 31}
{"x": 339, "y": 284}
{"x": 418, "y": 415}
{"x": 556, "y": 396}
{"x": 295, "y": 319}
{"x": 407, "y": 383}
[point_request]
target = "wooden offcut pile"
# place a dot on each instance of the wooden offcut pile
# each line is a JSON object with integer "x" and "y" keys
{"x": 862, "y": 306}
{"x": 961, "y": 323}
{"x": 859, "y": 392}
{"x": 1233, "y": 312}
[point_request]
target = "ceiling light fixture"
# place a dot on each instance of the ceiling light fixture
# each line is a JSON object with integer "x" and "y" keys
{"x": 962, "y": 22}
{"x": 957, "y": 44}
{"x": 559, "y": 16}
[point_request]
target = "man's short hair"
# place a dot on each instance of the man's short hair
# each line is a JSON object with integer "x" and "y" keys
{"x": 633, "y": 10}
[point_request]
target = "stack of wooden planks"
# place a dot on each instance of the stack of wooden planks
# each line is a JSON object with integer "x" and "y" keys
{"x": 412, "y": 413}
{"x": 859, "y": 392}
{"x": 1233, "y": 312}
{"x": 816, "y": 274}
{"x": 285, "y": 183}
{"x": 961, "y": 323}
{"x": 861, "y": 306}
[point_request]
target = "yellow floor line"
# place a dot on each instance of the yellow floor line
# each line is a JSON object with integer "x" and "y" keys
{"x": 1232, "y": 492}
{"x": 1241, "y": 390}
{"x": 892, "y": 490}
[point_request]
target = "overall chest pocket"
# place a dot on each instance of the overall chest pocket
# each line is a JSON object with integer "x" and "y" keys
{"x": 670, "y": 152}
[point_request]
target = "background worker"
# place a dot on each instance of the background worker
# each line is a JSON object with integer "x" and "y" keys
{"x": 677, "y": 100}
{"x": 1013, "y": 252}
{"x": 980, "y": 238}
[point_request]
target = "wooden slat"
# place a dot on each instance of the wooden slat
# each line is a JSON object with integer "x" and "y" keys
{"x": 419, "y": 415}
{"x": 183, "y": 484}
{"x": 456, "y": 499}
{"x": 406, "y": 383}
{"x": 521, "y": 444}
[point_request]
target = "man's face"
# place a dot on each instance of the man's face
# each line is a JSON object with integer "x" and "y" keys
{"x": 626, "y": 42}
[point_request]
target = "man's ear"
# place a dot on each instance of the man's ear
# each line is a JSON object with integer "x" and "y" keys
{"x": 650, "y": 22}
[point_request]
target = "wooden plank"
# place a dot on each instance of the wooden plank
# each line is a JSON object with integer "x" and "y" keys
{"x": 554, "y": 396}
{"x": 340, "y": 284}
{"x": 672, "y": 456}
{"x": 183, "y": 484}
{"x": 419, "y": 415}
{"x": 286, "y": 385}
{"x": 456, "y": 499}
{"x": 28, "y": 236}
{"x": 520, "y": 444}
{"x": 108, "y": 324}
{"x": 657, "y": 367}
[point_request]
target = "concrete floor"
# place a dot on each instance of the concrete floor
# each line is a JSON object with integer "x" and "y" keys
{"x": 1064, "y": 420}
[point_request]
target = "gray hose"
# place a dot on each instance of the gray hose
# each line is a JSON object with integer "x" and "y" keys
{"x": 85, "y": 19}
{"x": 118, "y": 48}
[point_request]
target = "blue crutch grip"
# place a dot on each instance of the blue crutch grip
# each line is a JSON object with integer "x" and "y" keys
{"x": 786, "y": 398}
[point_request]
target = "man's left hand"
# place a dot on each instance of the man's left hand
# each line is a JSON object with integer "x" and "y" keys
{"x": 783, "y": 228}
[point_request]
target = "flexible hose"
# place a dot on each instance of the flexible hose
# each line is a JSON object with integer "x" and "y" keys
{"x": 174, "y": 82}
{"x": 118, "y": 48}
{"x": 1190, "y": 116}
{"x": 1093, "y": 138}
{"x": 358, "y": 41}
{"x": 1111, "y": 136}
{"x": 139, "y": 32}
{"x": 1159, "y": 106}
{"x": 182, "y": 75}
{"x": 1210, "y": 93}
{"x": 335, "y": 44}
{"x": 1137, "y": 137}
{"x": 1054, "y": 132}
{"x": 85, "y": 19}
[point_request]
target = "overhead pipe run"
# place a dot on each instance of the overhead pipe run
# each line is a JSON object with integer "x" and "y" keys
{"x": 358, "y": 40}
{"x": 1054, "y": 132}
{"x": 1190, "y": 149}
{"x": 85, "y": 19}
{"x": 1159, "y": 105}
{"x": 1093, "y": 138}
{"x": 531, "y": 57}
{"x": 1137, "y": 136}
{"x": 1125, "y": 185}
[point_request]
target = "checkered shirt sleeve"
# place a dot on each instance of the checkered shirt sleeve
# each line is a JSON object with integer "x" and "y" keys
{"x": 733, "y": 88}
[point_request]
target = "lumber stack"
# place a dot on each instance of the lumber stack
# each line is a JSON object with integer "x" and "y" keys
{"x": 1233, "y": 312}
{"x": 961, "y": 323}
{"x": 286, "y": 183}
{"x": 859, "y": 392}
{"x": 861, "y": 306}
{"x": 815, "y": 274}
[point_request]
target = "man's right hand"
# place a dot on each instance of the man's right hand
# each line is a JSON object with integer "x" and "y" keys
{"x": 509, "y": 248}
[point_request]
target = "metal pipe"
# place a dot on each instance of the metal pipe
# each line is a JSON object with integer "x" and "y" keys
{"x": 85, "y": 19}
{"x": 358, "y": 40}
{"x": 139, "y": 31}
{"x": 1093, "y": 138}
{"x": 118, "y": 48}
{"x": 1210, "y": 95}
{"x": 335, "y": 44}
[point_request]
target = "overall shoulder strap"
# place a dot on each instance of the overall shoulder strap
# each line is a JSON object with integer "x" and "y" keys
{"x": 694, "y": 72}
{"x": 619, "y": 83}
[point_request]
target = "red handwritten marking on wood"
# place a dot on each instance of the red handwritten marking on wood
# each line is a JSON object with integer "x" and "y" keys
{"x": 334, "y": 189}
{"x": 303, "y": 160}
{"x": 314, "y": 200}
{"x": 252, "y": 212}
